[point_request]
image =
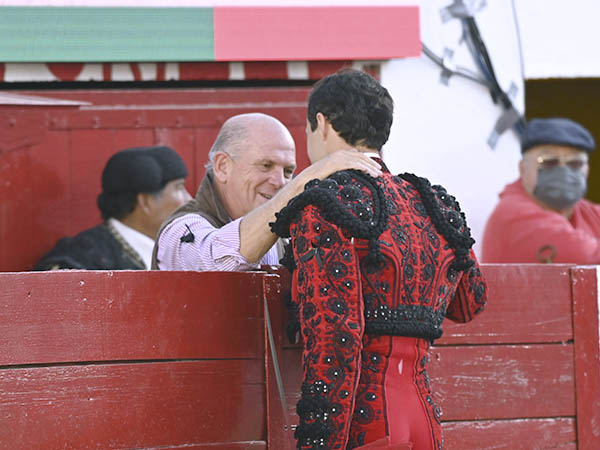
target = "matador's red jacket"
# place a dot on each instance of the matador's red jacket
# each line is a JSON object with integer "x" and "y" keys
{"x": 386, "y": 256}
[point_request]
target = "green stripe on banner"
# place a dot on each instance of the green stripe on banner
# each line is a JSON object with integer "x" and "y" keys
{"x": 81, "y": 34}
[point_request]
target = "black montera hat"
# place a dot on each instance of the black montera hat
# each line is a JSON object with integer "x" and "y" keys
{"x": 142, "y": 169}
{"x": 557, "y": 131}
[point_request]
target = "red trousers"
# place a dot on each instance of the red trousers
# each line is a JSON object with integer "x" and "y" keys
{"x": 393, "y": 403}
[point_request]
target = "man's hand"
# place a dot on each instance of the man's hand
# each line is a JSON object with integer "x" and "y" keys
{"x": 341, "y": 160}
{"x": 255, "y": 235}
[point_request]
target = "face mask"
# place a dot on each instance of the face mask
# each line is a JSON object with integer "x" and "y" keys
{"x": 560, "y": 187}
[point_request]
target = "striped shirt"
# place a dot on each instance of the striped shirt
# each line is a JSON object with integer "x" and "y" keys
{"x": 212, "y": 249}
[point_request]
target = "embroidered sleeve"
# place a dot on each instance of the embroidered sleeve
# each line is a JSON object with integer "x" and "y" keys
{"x": 470, "y": 297}
{"x": 327, "y": 283}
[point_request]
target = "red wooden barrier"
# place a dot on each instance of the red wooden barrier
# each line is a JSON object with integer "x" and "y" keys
{"x": 132, "y": 360}
{"x": 586, "y": 315}
{"x": 517, "y": 377}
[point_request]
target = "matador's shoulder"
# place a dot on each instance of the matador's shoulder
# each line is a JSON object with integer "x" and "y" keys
{"x": 446, "y": 215}
{"x": 349, "y": 199}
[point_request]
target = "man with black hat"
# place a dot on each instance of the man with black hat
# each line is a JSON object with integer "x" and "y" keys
{"x": 543, "y": 217}
{"x": 141, "y": 187}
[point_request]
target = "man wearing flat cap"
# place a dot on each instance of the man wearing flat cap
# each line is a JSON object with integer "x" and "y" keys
{"x": 141, "y": 187}
{"x": 542, "y": 217}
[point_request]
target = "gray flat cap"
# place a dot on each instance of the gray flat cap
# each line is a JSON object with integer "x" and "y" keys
{"x": 557, "y": 131}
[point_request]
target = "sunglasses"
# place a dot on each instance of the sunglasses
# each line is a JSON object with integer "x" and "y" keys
{"x": 550, "y": 162}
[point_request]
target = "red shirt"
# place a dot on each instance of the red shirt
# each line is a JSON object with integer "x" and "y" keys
{"x": 519, "y": 227}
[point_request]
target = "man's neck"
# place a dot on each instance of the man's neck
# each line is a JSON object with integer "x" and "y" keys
{"x": 221, "y": 193}
{"x": 132, "y": 222}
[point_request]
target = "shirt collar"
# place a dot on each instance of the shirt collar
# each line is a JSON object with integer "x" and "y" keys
{"x": 141, "y": 243}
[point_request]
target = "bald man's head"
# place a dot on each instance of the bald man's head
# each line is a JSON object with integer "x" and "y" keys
{"x": 253, "y": 157}
{"x": 245, "y": 131}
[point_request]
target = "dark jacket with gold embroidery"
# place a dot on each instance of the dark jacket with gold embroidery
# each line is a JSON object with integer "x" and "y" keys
{"x": 98, "y": 248}
{"x": 386, "y": 256}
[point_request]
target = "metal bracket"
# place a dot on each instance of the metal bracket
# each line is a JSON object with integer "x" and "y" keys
{"x": 461, "y": 9}
{"x": 448, "y": 66}
{"x": 506, "y": 120}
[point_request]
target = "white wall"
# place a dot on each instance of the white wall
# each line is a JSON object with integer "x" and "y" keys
{"x": 440, "y": 132}
{"x": 560, "y": 38}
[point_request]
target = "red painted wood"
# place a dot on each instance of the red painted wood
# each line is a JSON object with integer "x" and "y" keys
{"x": 504, "y": 382}
{"x": 320, "y": 69}
{"x": 161, "y": 71}
{"x": 204, "y": 71}
{"x": 184, "y": 140}
{"x": 135, "y": 70}
{"x": 106, "y": 71}
{"x": 587, "y": 363}
{"x": 174, "y": 97}
{"x": 168, "y": 117}
{"x": 516, "y": 313}
{"x": 486, "y": 382}
{"x": 526, "y": 434}
{"x": 51, "y": 193}
{"x": 266, "y": 70}
{"x": 22, "y": 126}
{"x": 279, "y": 435}
{"x": 132, "y": 405}
{"x": 107, "y": 316}
{"x": 315, "y": 33}
{"x": 248, "y": 445}
{"x": 65, "y": 71}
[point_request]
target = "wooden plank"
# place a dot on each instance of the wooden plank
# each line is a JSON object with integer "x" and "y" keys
{"x": 132, "y": 405}
{"x": 184, "y": 142}
{"x": 279, "y": 436}
{"x": 291, "y": 362}
{"x": 175, "y": 116}
{"x": 586, "y": 320}
{"x": 484, "y": 382}
{"x": 26, "y": 100}
{"x": 88, "y": 152}
{"x": 132, "y": 97}
{"x": 526, "y": 434}
{"x": 125, "y": 315}
{"x": 504, "y": 382}
{"x": 51, "y": 200}
{"x": 517, "y": 313}
{"x": 248, "y": 445}
{"x": 16, "y": 211}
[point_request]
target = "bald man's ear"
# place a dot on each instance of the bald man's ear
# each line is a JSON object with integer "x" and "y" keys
{"x": 222, "y": 166}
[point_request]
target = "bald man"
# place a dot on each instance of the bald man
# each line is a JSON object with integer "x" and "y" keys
{"x": 249, "y": 178}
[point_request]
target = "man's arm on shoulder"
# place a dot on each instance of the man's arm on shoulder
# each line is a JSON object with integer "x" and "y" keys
{"x": 190, "y": 242}
{"x": 255, "y": 235}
